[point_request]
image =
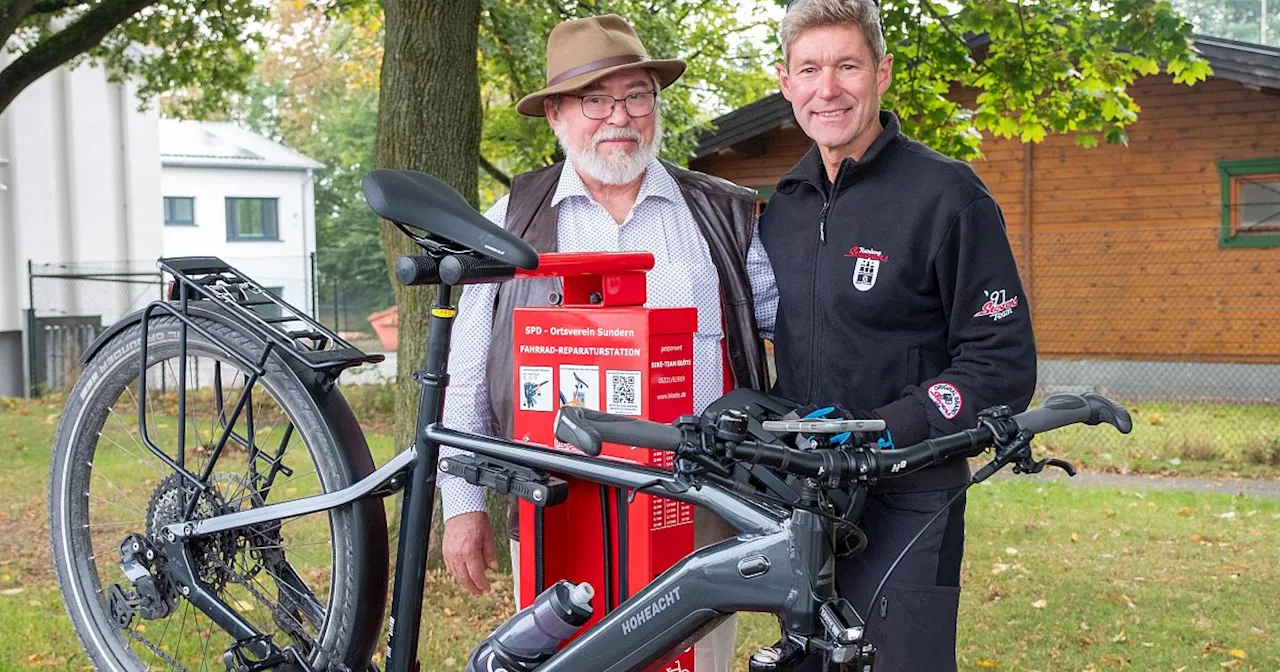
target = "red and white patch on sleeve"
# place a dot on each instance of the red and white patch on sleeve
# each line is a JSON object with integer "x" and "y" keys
{"x": 947, "y": 398}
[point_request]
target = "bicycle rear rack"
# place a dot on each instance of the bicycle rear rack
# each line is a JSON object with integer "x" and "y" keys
{"x": 293, "y": 332}
{"x": 216, "y": 285}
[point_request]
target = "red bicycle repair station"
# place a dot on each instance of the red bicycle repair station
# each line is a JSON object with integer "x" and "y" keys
{"x": 602, "y": 349}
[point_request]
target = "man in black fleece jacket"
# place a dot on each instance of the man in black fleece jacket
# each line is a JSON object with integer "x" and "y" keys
{"x": 899, "y": 299}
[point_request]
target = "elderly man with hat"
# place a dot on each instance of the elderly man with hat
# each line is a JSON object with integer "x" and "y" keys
{"x": 611, "y": 194}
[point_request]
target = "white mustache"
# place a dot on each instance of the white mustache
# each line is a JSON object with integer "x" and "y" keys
{"x": 610, "y": 133}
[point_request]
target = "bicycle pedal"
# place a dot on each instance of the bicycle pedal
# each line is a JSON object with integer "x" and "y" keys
{"x": 242, "y": 658}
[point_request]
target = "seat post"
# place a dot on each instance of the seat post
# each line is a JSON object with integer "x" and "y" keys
{"x": 420, "y": 493}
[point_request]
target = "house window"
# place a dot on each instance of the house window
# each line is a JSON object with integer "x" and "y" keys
{"x": 179, "y": 211}
{"x": 1250, "y": 203}
{"x": 252, "y": 219}
{"x": 271, "y": 309}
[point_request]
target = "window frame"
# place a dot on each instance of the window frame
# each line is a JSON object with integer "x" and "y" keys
{"x": 173, "y": 222}
{"x": 233, "y": 221}
{"x": 269, "y": 310}
{"x": 1229, "y": 235}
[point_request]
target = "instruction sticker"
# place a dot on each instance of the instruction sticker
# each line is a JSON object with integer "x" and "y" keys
{"x": 536, "y": 393}
{"x": 580, "y": 386}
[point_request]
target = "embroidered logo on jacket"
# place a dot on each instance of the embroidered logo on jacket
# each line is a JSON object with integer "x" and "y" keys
{"x": 947, "y": 398}
{"x": 997, "y": 306}
{"x": 867, "y": 266}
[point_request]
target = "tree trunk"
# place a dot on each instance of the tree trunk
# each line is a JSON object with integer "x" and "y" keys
{"x": 429, "y": 119}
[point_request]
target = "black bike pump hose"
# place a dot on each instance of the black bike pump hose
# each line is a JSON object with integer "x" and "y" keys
{"x": 620, "y": 503}
{"x": 607, "y": 529}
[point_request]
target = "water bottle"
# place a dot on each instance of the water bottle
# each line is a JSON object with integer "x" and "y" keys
{"x": 530, "y": 637}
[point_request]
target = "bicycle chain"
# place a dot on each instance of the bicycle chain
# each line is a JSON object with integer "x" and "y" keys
{"x": 334, "y": 660}
{"x": 157, "y": 650}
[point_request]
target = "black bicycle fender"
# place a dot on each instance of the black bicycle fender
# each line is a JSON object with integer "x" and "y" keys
{"x": 135, "y": 318}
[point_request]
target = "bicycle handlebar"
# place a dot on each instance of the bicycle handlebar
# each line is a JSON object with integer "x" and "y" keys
{"x": 588, "y": 429}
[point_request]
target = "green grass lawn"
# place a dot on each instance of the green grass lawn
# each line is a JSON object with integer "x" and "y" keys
{"x": 1056, "y": 577}
{"x": 1231, "y": 440}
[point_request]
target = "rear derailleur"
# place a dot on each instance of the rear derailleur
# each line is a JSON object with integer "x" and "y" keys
{"x": 151, "y": 595}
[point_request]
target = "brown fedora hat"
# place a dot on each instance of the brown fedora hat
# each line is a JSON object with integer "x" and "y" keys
{"x": 581, "y": 51}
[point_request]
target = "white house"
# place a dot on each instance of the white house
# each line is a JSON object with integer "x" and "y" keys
{"x": 80, "y": 170}
{"x": 230, "y": 193}
{"x": 93, "y": 186}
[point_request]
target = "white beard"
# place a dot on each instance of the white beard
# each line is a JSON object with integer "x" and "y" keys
{"x": 618, "y": 167}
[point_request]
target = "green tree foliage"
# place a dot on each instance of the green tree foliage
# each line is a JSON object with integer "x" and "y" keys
{"x": 1027, "y": 68}
{"x": 165, "y": 44}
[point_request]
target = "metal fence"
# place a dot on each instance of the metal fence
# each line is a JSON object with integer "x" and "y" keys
{"x": 72, "y": 303}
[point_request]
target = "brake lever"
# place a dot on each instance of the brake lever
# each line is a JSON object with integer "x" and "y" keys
{"x": 1027, "y": 466}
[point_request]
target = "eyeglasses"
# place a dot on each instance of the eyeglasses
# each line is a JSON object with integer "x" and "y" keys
{"x": 598, "y": 106}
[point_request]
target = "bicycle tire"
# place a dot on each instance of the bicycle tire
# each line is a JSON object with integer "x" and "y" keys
{"x": 347, "y": 633}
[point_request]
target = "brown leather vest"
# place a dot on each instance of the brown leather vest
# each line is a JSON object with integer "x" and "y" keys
{"x": 724, "y": 213}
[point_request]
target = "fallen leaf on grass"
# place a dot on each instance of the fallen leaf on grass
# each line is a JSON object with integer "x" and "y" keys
{"x": 1039, "y": 604}
{"x": 449, "y": 612}
{"x": 1240, "y": 653}
{"x": 1230, "y": 663}
{"x": 9, "y": 592}
{"x": 1107, "y": 512}
{"x": 986, "y": 664}
{"x": 1074, "y": 537}
{"x": 1186, "y": 511}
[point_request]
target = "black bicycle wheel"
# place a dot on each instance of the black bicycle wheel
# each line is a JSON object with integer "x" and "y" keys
{"x": 311, "y": 582}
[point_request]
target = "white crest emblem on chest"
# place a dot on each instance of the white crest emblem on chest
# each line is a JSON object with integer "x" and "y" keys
{"x": 866, "y": 267}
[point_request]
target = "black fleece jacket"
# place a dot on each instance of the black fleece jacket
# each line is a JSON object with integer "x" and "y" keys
{"x": 899, "y": 295}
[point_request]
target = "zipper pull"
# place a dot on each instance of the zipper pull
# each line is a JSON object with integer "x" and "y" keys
{"x": 884, "y": 605}
{"x": 822, "y": 222}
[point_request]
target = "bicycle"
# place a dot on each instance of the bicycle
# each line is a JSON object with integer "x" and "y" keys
{"x": 225, "y": 540}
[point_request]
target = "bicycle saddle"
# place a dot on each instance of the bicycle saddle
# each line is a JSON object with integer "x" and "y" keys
{"x": 417, "y": 200}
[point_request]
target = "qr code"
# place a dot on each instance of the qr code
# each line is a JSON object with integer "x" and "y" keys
{"x": 624, "y": 392}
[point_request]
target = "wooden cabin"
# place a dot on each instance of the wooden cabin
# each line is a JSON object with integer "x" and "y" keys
{"x": 1164, "y": 251}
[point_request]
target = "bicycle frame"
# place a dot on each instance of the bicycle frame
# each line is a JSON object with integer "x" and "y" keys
{"x": 759, "y": 570}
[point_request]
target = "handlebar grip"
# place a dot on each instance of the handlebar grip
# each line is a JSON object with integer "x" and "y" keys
{"x": 1060, "y": 410}
{"x": 589, "y": 430}
{"x": 469, "y": 269}
{"x": 417, "y": 270}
